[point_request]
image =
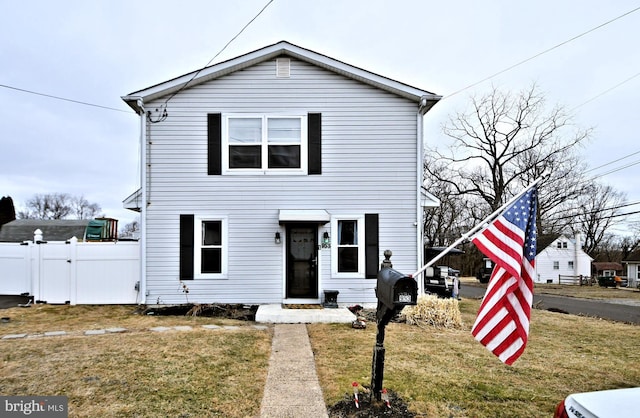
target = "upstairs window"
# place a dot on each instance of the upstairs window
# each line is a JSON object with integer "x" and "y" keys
{"x": 265, "y": 144}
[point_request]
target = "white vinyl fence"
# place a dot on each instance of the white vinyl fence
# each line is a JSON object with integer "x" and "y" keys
{"x": 89, "y": 273}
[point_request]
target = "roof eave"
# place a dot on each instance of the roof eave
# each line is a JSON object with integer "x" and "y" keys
{"x": 425, "y": 99}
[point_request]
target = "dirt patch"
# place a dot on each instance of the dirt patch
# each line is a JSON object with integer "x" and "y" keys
{"x": 346, "y": 408}
{"x": 214, "y": 310}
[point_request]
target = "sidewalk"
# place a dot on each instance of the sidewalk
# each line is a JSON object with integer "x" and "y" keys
{"x": 292, "y": 389}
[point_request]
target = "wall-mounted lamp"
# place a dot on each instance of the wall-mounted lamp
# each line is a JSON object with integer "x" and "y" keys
{"x": 277, "y": 238}
{"x": 326, "y": 240}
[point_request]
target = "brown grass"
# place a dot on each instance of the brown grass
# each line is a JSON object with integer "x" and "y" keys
{"x": 438, "y": 372}
{"x": 198, "y": 373}
{"x": 447, "y": 373}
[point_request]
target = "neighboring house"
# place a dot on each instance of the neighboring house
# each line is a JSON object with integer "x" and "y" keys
{"x": 563, "y": 256}
{"x": 277, "y": 175}
{"x": 22, "y": 230}
{"x": 607, "y": 269}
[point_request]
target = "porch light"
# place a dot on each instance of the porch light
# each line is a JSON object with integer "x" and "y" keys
{"x": 325, "y": 239}
{"x": 277, "y": 238}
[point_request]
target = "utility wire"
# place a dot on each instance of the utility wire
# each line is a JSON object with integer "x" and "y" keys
{"x": 64, "y": 98}
{"x": 542, "y": 53}
{"x": 219, "y": 52}
{"x": 606, "y": 91}
{"x": 614, "y": 161}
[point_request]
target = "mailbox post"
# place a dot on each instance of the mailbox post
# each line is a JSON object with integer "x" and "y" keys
{"x": 394, "y": 291}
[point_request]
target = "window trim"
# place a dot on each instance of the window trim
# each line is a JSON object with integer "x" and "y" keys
{"x": 361, "y": 273}
{"x": 197, "y": 247}
{"x": 556, "y": 265}
{"x": 264, "y": 169}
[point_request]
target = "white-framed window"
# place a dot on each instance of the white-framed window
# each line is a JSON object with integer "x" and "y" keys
{"x": 210, "y": 249}
{"x": 264, "y": 144}
{"x": 562, "y": 244}
{"x": 348, "y": 249}
{"x": 556, "y": 265}
{"x": 570, "y": 265}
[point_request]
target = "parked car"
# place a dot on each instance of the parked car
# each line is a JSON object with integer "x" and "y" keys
{"x": 615, "y": 403}
{"x": 610, "y": 281}
{"x": 439, "y": 280}
{"x": 484, "y": 274}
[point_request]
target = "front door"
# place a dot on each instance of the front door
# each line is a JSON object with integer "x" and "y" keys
{"x": 302, "y": 261}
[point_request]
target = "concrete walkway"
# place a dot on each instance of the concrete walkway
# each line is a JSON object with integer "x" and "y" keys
{"x": 292, "y": 388}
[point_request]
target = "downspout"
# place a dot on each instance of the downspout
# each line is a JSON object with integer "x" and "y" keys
{"x": 419, "y": 181}
{"x": 143, "y": 203}
{"x": 426, "y": 103}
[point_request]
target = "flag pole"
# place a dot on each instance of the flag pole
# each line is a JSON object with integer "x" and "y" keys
{"x": 475, "y": 228}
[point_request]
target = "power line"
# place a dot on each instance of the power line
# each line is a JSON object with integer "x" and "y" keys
{"x": 606, "y": 91}
{"x": 614, "y": 161}
{"x": 542, "y": 53}
{"x": 219, "y": 52}
{"x": 65, "y": 99}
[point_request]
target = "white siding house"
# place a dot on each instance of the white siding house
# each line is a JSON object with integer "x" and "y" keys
{"x": 563, "y": 257}
{"x": 276, "y": 175}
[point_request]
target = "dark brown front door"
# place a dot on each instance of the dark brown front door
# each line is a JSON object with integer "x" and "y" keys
{"x": 302, "y": 261}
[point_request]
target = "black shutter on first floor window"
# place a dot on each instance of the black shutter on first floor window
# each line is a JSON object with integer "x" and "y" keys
{"x": 314, "y": 137}
{"x": 186, "y": 247}
{"x": 371, "y": 247}
{"x": 214, "y": 144}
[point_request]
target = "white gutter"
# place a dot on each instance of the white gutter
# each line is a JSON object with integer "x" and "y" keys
{"x": 143, "y": 203}
{"x": 419, "y": 210}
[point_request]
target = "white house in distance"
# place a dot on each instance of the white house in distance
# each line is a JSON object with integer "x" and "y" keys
{"x": 277, "y": 175}
{"x": 563, "y": 257}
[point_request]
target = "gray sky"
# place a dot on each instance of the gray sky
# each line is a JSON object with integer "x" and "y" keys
{"x": 96, "y": 51}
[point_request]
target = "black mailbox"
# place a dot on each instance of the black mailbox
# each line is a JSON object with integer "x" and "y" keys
{"x": 395, "y": 289}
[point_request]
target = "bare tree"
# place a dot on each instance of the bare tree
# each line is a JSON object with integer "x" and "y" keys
{"x": 596, "y": 213}
{"x": 82, "y": 209}
{"x": 505, "y": 140}
{"x": 58, "y": 206}
{"x": 131, "y": 229}
{"x": 444, "y": 223}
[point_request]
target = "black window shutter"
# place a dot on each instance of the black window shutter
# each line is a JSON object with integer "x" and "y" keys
{"x": 314, "y": 143}
{"x": 371, "y": 247}
{"x": 186, "y": 247}
{"x": 214, "y": 143}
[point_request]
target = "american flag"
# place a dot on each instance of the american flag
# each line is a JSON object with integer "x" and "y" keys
{"x": 509, "y": 241}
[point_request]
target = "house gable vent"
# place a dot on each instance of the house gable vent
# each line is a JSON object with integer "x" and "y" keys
{"x": 283, "y": 67}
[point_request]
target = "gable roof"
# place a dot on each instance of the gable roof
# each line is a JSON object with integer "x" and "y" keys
{"x": 424, "y": 98}
{"x": 52, "y": 230}
{"x": 607, "y": 265}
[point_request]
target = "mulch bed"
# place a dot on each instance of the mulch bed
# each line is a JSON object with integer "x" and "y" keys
{"x": 346, "y": 408}
{"x": 214, "y": 310}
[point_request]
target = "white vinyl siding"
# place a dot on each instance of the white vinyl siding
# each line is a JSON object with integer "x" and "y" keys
{"x": 369, "y": 159}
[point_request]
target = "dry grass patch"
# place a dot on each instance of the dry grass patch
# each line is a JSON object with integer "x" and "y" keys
{"x": 445, "y": 372}
{"x": 42, "y": 318}
{"x": 197, "y": 373}
{"x": 588, "y": 292}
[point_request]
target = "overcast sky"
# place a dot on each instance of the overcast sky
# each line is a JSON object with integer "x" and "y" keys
{"x": 97, "y": 51}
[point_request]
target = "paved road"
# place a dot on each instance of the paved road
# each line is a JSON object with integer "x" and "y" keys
{"x": 615, "y": 310}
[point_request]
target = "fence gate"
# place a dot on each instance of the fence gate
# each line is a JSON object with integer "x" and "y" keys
{"x": 72, "y": 272}
{"x": 54, "y": 275}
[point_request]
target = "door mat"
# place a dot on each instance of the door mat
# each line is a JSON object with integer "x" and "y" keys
{"x": 301, "y": 306}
